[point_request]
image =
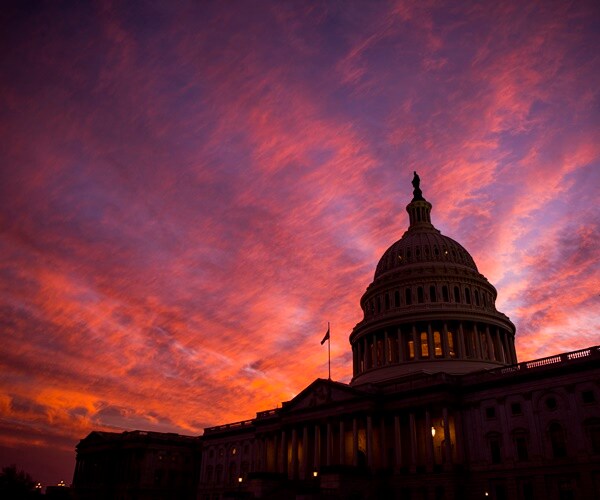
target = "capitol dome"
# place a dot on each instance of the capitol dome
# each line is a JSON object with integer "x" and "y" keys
{"x": 428, "y": 309}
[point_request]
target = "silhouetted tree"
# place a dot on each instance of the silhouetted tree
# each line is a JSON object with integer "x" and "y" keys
{"x": 16, "y": 484}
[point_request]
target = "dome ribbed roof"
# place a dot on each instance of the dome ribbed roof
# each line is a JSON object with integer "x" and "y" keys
{"x": 422, "y": 246}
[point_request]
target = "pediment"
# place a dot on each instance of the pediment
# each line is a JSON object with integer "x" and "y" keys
{"x": 321, "y": 392}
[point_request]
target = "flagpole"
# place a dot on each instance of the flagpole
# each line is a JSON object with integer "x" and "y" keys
{"x": 329, "y": 349}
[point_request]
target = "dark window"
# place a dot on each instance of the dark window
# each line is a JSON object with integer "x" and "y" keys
{"x": 588, "y": 397}
{"x": 432, "y": 294}
{"x": 387, "y": 301}
{"x": 408, "y": 297}
{"x": 521, "y": 445}
{"x": 551, "y": 403}
{"x": 456, "y": 294}
{"x": 445, "y": 294}
{"x": 515, "y": 409}
{"x": 476, "y": 297}
{"x": 490, "y": 412}
{"x": 593, "y": 431}
{"x": 420, "y": 297}
{"x": 557, "y": 441}
{"x": 495, "y": 450}
{"x": 396, "y": 298}
{"x": 467, "y": 296}
{"x": 378, "y": 304}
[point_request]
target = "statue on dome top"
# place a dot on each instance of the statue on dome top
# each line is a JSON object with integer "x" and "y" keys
{"x": 416, "y": 182}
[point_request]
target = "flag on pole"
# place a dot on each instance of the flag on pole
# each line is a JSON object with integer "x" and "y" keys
{"x": 326, "y": 338}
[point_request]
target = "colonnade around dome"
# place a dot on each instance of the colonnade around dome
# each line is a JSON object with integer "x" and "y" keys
{"x": 426, "y": 341}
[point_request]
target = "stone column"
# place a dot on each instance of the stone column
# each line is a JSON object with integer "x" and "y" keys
{"x": 366, "y": 348}
{"x": 461, "y": 341}
{"x": 431, "y": 346}
{"x": 445, "y": 343}
{"x": 328, "y": 444}
{"x": 416, "y": 344}
{"x": 385, "y": 347}
{"x": 413, "y": 443}
{"x": 513, "y": 351}
{"x": 490, "y": 343}
{"x": 459, "y": 441}
{"x": 360, "y": 357}
{"x": 428, "y": 442}
{"x": 383, "y": 443}
{"x": 342, "y": 460}
{"x": 478, "y": 350}
{"x": 283, "y": 455}
{"x": 305, "y": 452}
{"x": 317, "y": 460}
{"x": 355, "y": 442}
{"x": 294, "y": 474}
{"x": 397, "y": 441}
{"x": 507, "y": 354}
{"x": 447, "y": 439}
{"x": 400, "y": 347}
{"x": 369, "y": 441}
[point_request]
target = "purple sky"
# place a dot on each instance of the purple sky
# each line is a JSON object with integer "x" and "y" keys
{"x": 189, "y": 191}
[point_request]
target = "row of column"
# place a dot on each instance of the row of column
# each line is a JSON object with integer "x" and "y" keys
{"x": 301, "y": 451}
{"x": 398, "y": 345}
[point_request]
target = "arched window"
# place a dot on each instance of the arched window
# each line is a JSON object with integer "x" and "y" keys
{"x": 424, "y": 345}
{"x": 483, "y": 296}
{"x": 445, "y": 294}
{"x": 456, "y": 295}
{"x": 520, "y": 439}
{"x": 467, "y": 296}
{"x": 396, "y": 298}
{"x": 432, "y": 294}
{"x": 437, "y": 344}
{"x": 477, "y": 297}
{"x": 592, "y": 430}
{"x": 494, "y": 447}
{"x": 420, "y": 296}
{"x": 557, "y": 440}
{"x": 378, "y": 304}
{"x": 408, "y": 296}
{"x": 387, "y": 301}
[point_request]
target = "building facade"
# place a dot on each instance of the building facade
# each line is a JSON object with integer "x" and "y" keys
{"x": 438, "y": 407}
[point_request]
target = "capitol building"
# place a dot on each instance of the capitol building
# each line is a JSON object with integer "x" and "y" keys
{"x": 438, "y": 407}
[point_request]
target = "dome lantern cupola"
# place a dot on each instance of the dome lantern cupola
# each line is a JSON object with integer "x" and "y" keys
{"x": 428, "y": 309}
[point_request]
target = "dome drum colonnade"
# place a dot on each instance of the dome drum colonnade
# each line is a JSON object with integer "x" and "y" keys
{"x": 428, "y": 309}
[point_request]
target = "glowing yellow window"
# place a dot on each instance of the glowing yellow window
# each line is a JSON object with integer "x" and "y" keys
{"x": 451, "y": 345}
{"x": 437, "y": 344}
{"x": 424, "y": 345}
{"x": 411, "y": 349}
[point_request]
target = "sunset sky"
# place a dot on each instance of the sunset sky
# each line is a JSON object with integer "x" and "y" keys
{"x": 189, "y": 191}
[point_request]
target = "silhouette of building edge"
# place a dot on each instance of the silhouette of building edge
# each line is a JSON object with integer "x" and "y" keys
{"x": 438, "y": 408}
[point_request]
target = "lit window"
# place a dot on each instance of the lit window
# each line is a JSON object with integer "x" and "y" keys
{"x": 437, "y": 343}
{"x": 411, "y": 349}
{"x": 451, "y": 350}
{"x": 424, "y": 345}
